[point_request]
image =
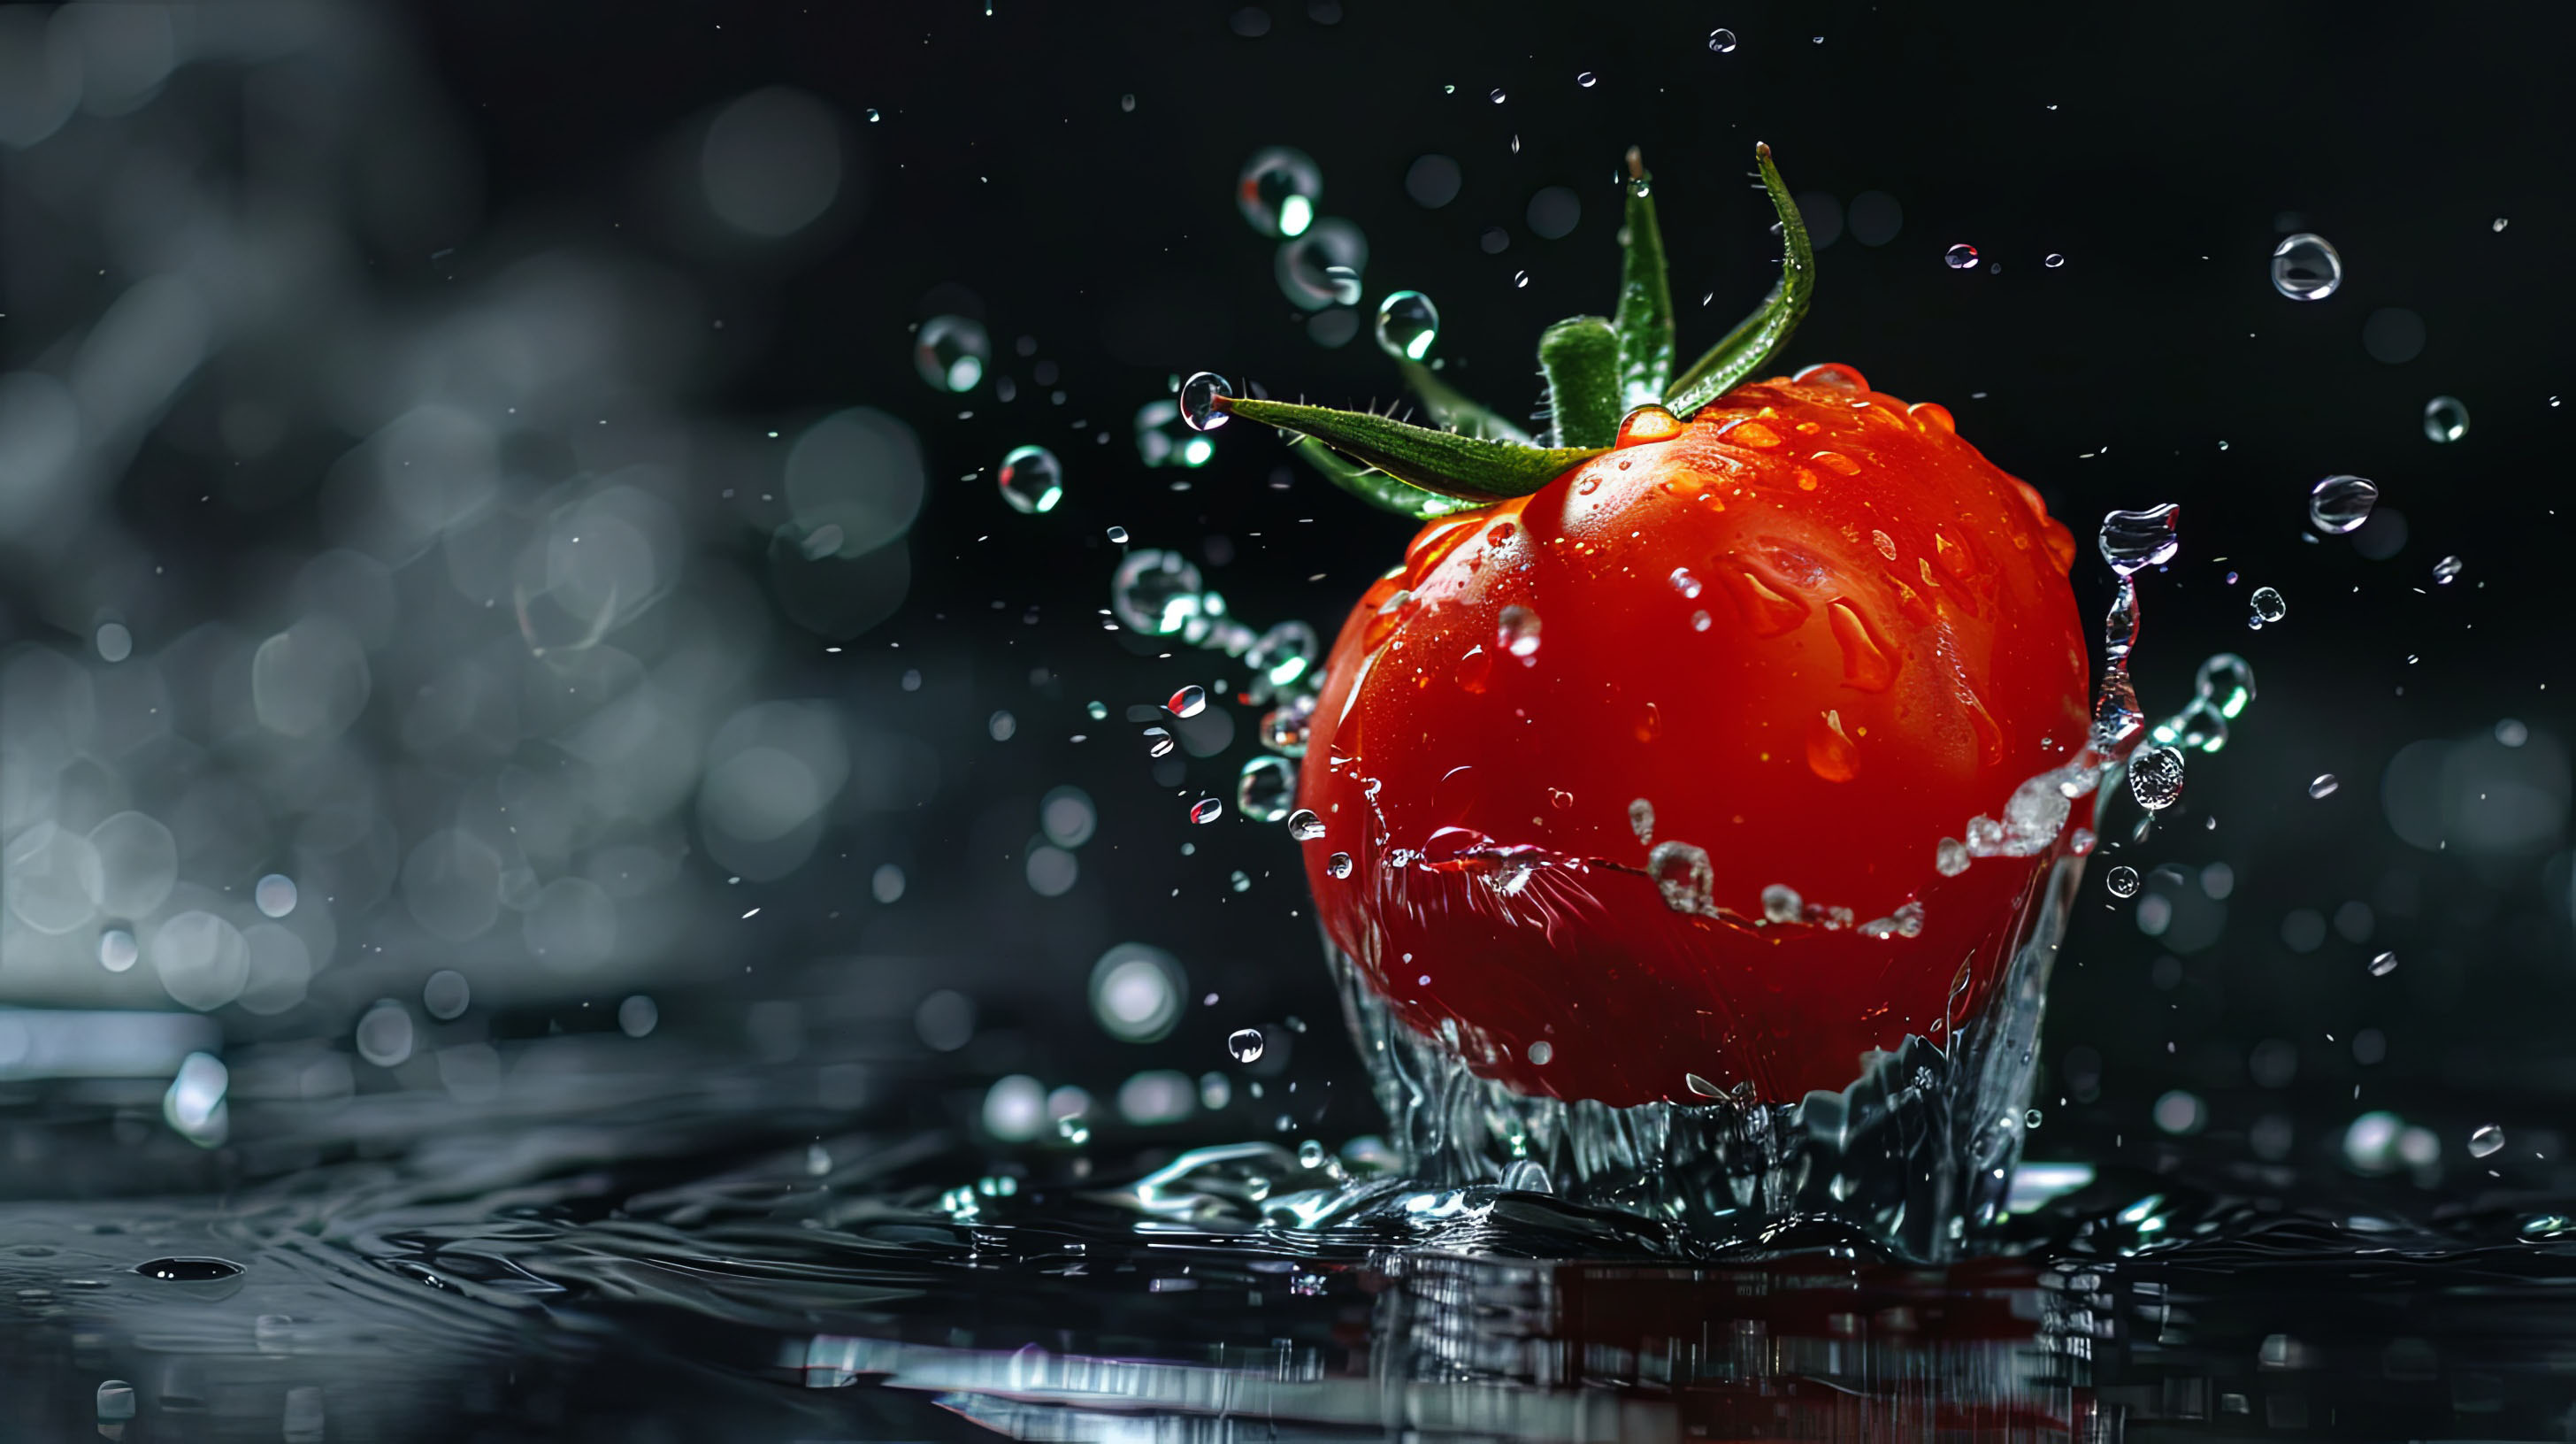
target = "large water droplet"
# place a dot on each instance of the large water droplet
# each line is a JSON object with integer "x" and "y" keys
{"x": 1960, "y": 257}
{"x": 2338, "y": 504}
{"x": 1516, "y": 630}
{"x": 1408, "y": 325}
{"x": 2155, "y": 777}
{"x": 1721, "y": 41}
{"x": 1245, "y": 1044}
{"x": 1031, "y": 479}
{"x": 1683, "y": 875}
{"x": 2486, "y": 1142}
{"x": 2446, "y": 571}
{"x": 2306, "y": 267}
{"x": 1265, "y": 788}
{"x": 1305, "y": 826}
{"x": 1278, "y": 190}
{"x": 1198, "y": 401}
{"x": 1157, "y": 593}
{"x": 2324, "y": 786}
{"x": 2445, "y": 419}
{"x": 950, "y": 352}
{"x": 2122, "y": 881}
{"x": 1206, "y": 810}
{"x": 2133, "y": 541}
{"x": 1338, "y": 865}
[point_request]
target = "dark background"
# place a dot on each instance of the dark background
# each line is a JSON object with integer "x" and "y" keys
{"x": 2162, "y": 153}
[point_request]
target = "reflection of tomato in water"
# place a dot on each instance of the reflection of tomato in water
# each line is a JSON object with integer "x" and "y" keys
{"x": 1656, "y": 780}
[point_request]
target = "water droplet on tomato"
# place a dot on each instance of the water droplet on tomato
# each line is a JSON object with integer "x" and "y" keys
{"x": 1684, "y": 582}
{"x": 1198, "y": 401}
{"x": 1338, "y": 865}
{"x": 1408, "y": 325}
{"x": 1265, "y": 788}
{"x": 2123, "y": 881}
{"x": 1683, "y": 875}
{"x": 2306, "y": 267}
{"x": 950, "y": 352}
{"x": 1699, "y": 620}
{"x": 1305, "y": 826}
{"x": 1866, "y": 664}
{"x": 2446, "y": 571}
{"x": 2445, "y": 419}
{"x": 1474, "y": 670}
{"x": 1950, "y": 857}
{"x": 2268, "y": 607}
{"x": 1960, "y": 257}
{"x": 1886, "y": 544}
{"x": 1157, "y": 593}
{"x": 1031, "y": 480}
{"x": 1721, "y": 41}
{"x": 1647, "y": 424}
{"x": 1542, "y": 1052}
{"x": 1190, "y": 701}
{"x": 1206, "y": 810}
{"x": 1641, "y": 820}
{"x": 1158, "y": 743}
{"x": 2155, "y": 777}
{"x": 1245, "y": 1044}
{"x": 1702, "y": 1086}
{"x": 2486, "y": 1142}
{"x": 2133, "y": 541}
{"x": 1781, "y": 904}
{"x": 1516, "y": 632}
{"x": 1278, "y": 189}
{"x": 1831, "y": 754}
{"x": 2324, "y": 786}
{"x": 2339, "y": 504}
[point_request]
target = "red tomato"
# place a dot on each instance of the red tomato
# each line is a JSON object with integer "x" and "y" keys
{"x": 1811, "y": 633}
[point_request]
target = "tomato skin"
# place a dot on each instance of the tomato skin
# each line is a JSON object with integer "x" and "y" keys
{"x": 1882, "y": 645}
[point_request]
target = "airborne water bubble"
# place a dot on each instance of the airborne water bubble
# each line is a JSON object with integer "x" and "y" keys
{"x": 1344, "y": 283}
{"x": 1721, "y": 41}
{"x": 2132, "y": 541}
{"x": 1305, "y": 826}
{"x": 2155, "y": 777}
{"x": 2340, "y": 504}
{"x": 1158, "y": 742}
{"x": 2306, "y": 267}
{"x": 2324, "y": 786}
{"x": 950, "y": 352}
{"x": 1031, "y": 480}
{"x": 1960, "y": 257}
{"x": 2268, "y": 607}
{"x": 1266, "y": 788}
{"x": 1245, "y": 1044}
{"x": 2486, "y": 1142}
{"x": 2122, "y": 880}
{"x": 1206, "y": 810}
{"x": 1408, "y": 325}
{"x": 1157, "y": 593}
{"x": 2446, "y": 571}
{"x": 1278, "y": 189}
{"x": 1190, "y": 701}
{"x": 2382, "y": 965}
{"x": 2445, "y": 419}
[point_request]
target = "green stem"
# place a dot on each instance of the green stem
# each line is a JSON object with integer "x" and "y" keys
{"x": 1751, "y": 345}
{"x": 1468, "y": 468}
{"x": 1580, "y": 357}
{"x": 1645, "y": 318}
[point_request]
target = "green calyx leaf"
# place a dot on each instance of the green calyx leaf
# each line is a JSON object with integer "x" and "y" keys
{"x": 1454, "y": 409}
{"x": 1645, "y": 319}
{"x": 1751, "y": 345}
{"x": 1580, "y": 358}
{"x": 1376, "y": 487}
{"x": 1445, "y": 465}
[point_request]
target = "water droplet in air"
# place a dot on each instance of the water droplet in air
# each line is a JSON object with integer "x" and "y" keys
{"x": 2268, "y": 607}
{"x": 2486, "y": 1142}
{"x": 1305, "y": 826}
{"x": 2155, "y": 777}
{"x": 2340, "y": 503}
{"x": 1097, "y": 711}
{"x": 1407, "y": 325}
{"x": 2054, "y": 261}
{"x": 1305, "y": 267}
{"x": 1585, "y": 80}
{"x": 1520, "y": 280}
{"x": 117, "y": 950}
{"x": 1684, "y": 582}
{"x": 1517, "y": 632}
{"x": 2133, "y": 541}
{"x": 1265, "y": 788}
{"x": 1310, "y": 1154}
{"x": 2030, "y": 1118}
{"x": 1073, "y": 1128}
{"x": 2306, "y": 267}
{"x": 2383, "y": 965}
{"x": 2445, "y": 419}
{"x": 1721, "y": 41}
{"x": 1190, "y": 701}
{"x": 1950, "y": 857}
{"x": 950, "y": 352}
{"x": 1498, "y": 96}
{"x": 1161, "y": 440}
{"x": 1158, "y": 743}
{"x": 1345, "y": 286}
{"x": 1245, "y": 1044}
{"x": 2123, "y": 881}
{"x": 1206, "y": 810}
{"x": 1338, "y": 865}
{"x": 1156, "y": 592}
{"x": 1031, "y": 479}
{"x": 1198, "y": 401}
{"x": 1961, "y": 256}
{"x": 275, "y": 895}
{"x": 2446, "y": 571}
{"x": 1284, "y": 653}
{"x": 1278, "y": 189}
{"x": 2324, "y": 786}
